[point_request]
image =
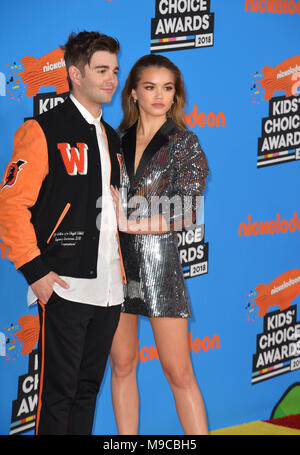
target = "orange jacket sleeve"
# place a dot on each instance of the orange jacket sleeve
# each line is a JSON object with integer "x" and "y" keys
{"x": 19, "y": 191}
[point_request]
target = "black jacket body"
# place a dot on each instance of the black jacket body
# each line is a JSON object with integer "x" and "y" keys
{"x": 67, "y": 214}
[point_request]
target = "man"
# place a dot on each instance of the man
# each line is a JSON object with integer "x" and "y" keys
{"x": 54, "y": 200}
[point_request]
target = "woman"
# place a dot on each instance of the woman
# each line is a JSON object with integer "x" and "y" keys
{"x": 164, "y": 162}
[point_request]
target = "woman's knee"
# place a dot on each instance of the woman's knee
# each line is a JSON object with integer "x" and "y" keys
{"x": 181, "y": 377}
{"x": 125, "y": 364}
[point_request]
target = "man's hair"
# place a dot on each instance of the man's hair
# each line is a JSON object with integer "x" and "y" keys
{"x": 80, "y": 48}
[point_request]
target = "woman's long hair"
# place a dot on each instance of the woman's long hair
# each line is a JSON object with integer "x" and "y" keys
{"x": 131, "y": 110}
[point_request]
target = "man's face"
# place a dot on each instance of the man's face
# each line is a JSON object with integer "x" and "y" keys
{"x": 99, "y": 81}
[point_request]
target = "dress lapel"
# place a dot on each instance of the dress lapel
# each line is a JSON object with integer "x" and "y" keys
{"x": 128, "y": 148}
{"x": 129, "y": 145}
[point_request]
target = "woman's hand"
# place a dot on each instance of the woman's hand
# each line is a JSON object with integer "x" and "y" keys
{"x": 154, "y": 225}
{"x": 121, "y": 217}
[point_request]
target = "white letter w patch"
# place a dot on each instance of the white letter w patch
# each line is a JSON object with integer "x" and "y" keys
{"x": 75, "y": 158}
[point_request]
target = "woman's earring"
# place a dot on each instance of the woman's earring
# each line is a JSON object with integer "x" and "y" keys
{"x": 173, "y": 102}
{"x": 134, "y": 100}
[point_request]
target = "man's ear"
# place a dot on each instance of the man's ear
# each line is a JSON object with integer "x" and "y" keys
{"x": 75, "y": 75}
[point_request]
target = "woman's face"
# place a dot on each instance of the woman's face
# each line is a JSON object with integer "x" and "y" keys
{"x": 155, "y": 91}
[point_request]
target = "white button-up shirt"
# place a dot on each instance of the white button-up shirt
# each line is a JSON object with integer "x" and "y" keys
{"x": 107, "y": 288}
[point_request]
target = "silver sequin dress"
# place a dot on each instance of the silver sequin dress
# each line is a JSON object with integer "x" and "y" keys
{"x": 173, "y": 167}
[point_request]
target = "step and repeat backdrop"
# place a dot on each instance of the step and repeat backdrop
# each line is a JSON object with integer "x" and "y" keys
{"x": 240, "y": 60}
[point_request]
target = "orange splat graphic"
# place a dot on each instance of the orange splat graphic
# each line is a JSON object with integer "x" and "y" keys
{"x": 281, "y": 292}
{"x": 29, "y": 333}
{"x": 271, "y": 83}
{"x": 48, "y": 70}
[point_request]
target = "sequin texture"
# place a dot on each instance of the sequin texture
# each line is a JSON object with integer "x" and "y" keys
{"x": 176, "y": 171}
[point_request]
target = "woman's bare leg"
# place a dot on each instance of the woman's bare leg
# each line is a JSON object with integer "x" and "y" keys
{"x": 124, "y": 359}
{"x": 171, "y": 336}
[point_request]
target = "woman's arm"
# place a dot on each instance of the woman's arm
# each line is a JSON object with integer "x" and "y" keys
{"x": 154, "y": 225}
{"x": 180, "y": 210}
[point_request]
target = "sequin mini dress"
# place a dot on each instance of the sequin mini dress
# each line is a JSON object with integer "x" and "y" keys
{"x": 172, "y": 168}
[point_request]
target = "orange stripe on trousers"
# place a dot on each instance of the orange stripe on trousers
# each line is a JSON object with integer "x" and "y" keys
{"x": 41, "y": 379}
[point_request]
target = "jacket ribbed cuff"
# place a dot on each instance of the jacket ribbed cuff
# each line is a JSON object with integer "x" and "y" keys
{"x": 34, "y": 270}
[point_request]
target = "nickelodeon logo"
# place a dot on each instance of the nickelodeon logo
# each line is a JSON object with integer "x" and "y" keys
{"x": 283, "y": 77}
{"x": 195, "y": 345}
{"x": 48, "y": 70}
{"x": 280, "y": 292}
{"x": 273, "y": 6}
{"x": 271, "y": 227}
{"x": 201, "y": 119}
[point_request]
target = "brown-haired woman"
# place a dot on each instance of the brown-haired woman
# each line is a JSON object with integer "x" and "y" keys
{"x": 163, "y": 162}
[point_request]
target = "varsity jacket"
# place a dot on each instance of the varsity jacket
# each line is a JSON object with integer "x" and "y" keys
{"x": 50, "y": 196}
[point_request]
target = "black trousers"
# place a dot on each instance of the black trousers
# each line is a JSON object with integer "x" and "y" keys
{"x": 74, "y": 344}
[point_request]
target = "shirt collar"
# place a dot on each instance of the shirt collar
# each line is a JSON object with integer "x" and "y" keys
{"x": 85, "y": 113}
